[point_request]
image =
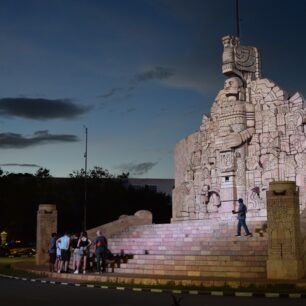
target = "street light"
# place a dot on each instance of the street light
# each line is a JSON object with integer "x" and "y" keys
{"x": 85, "y": 180}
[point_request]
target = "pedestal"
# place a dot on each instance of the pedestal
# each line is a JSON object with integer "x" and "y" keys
{"x": 46, "y": 225}
{"x": 284, "y": 236}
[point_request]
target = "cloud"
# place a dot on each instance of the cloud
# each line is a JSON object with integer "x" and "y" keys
{"x": 136, "y": 169}
{"x": 110, "y": 93}
{"x": 121, "y": 94}
{"x": 157, "y": 73}
{"x": 18, "y": 141}
{"x": 40, "y": 108}
{"x": 20, "y": 165}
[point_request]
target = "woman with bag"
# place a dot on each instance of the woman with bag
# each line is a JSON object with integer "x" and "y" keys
{"x": 83, "y": 245}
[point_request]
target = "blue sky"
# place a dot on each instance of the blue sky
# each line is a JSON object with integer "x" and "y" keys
{"x": 138, "y": 73}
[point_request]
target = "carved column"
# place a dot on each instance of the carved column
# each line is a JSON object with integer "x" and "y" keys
{"x": 46, "y": 225}
{"x": 284, "y": 238}
{"x": 228, "y": 190}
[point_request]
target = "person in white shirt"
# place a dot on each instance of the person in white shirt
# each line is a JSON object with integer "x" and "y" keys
{"x": 64, "y": 243}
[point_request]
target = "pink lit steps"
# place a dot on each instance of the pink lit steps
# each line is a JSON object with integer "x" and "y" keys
{"x": 193, "y": 248}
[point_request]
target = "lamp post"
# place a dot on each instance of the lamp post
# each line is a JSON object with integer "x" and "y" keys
{"x": 85, "y": 180}
{"x": 237, "y": 19}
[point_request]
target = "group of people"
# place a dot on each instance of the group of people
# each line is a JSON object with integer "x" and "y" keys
{"x": 61, "y": 249}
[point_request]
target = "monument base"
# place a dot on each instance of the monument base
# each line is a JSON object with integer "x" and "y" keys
{"x": 46, "y": 225}
{"x": 284, "y": 269}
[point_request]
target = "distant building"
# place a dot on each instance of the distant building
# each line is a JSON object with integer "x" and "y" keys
{"x": 159, "y": 185}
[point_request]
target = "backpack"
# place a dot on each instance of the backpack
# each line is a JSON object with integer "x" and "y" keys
{"x": 101, "y": 242}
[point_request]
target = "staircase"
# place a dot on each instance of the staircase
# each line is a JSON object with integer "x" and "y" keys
{"x": 193, "y": 249}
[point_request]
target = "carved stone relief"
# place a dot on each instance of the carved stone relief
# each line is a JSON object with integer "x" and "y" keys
{"x": 293, "y": 120}
{"x": 254, "y": 135}
{"x": 227, "y": 161}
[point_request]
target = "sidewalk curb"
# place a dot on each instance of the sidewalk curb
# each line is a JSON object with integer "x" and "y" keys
{"x": 172, "y": 291}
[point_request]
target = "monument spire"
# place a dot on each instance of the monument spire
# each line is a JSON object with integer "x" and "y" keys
{"x": 237, "y": 19}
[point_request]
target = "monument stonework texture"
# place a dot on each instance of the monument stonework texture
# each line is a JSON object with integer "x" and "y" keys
{"x": 285, "y": 255}
{"x": 255, "y": 135}
{"x": 46, "y": 225}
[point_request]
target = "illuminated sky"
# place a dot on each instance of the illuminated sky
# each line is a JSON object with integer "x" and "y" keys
{"x": 138, "y": 73}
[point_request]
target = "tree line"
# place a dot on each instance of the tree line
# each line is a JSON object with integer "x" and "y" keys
{"x": 108, "y": 197}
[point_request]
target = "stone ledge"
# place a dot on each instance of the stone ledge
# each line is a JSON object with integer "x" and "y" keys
{"x": 157, "y": 280}
{"x": 215, "y": 292}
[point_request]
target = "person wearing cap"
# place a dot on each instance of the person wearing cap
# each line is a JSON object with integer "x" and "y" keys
{"x": 241, "y": 216}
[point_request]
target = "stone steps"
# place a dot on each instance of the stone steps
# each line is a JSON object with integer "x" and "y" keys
{"x": 196, "y": 229}
{"x": 200, "y": 240}
{"x": 182, "y": 234}
{"x": 212, "y": 262}
{"x": 204, "y": 267}
{"x": 208, "y": 274}
{"x": 234, "y": 258}
{"x": 247, "y": 271}
{"x": 235, "y": 266}
{"x": 190, "y": 253}
{"x": 198, "y": 249}
{"x": 244, "y": 246}
{"x": 195, "y": 251}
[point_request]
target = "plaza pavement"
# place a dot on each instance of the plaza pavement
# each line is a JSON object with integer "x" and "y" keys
{"x": 198, "y": 283}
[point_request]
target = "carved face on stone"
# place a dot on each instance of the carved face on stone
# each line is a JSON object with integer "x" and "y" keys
{"x": 230, "y": 41}
{"x": 232, "y": 86}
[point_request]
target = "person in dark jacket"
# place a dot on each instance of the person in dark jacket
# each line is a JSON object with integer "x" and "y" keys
{"x": 101, "y": 251}
{"x": 241, "y": 216}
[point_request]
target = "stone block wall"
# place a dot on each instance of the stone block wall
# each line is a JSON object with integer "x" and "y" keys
{"x": 285, "y": 252}
{"x": 46, "y": 225}
{"x": 141, "y": 217}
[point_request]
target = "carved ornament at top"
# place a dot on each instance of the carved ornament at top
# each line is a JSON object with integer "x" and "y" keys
{"x": 243, "y": 61}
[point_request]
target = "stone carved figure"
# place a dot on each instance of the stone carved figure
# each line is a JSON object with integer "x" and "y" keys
{"x": 242, "y": 61}
{"x": 213, "y": 202}
{"x": 254, "y": 134}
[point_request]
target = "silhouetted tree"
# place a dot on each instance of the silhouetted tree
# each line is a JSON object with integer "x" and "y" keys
{"x": 97, "y": 173}
{"x": 108, "y": 198}
{"x": 43, "y": 173}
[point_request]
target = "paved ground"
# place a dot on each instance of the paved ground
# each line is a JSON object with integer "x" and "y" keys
{"x": 119, "y": 278}
{"x": 26, "y": 293}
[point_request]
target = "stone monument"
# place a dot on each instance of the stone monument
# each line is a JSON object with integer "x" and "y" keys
{"x": 46, "y": 225}
{"x": 285, "y": 254}
{"x": 254, "y": 135}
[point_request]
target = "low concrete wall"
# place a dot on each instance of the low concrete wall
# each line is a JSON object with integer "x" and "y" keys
{"x": 141, "y": 217}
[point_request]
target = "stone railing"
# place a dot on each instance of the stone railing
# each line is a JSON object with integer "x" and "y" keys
{"x": 141, "y": 217}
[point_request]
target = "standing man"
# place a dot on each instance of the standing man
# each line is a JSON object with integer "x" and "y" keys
{"x": 242, "y": 210}
{"x": 100, "y": 250}
{"x": 64, "y": 244}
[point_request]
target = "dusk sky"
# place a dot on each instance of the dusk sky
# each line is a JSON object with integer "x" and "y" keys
{"x": 138, "y": 73}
